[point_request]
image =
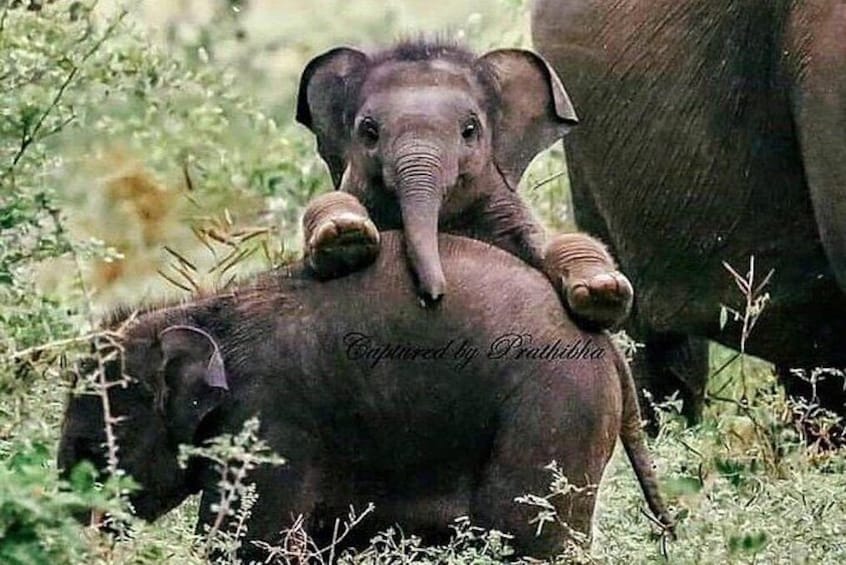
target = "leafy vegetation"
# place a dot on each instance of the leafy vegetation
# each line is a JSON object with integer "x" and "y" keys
{"x": 152, "y": 152}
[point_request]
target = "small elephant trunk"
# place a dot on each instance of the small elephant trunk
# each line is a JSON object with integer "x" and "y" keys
{"x": 420, "y": 187}
{"x": 421, "y": 236}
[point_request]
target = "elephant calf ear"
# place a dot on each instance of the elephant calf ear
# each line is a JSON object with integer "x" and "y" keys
{"x": 534, "y": 110}
{"x": 328, "y": 85}
{"x": 195, "y": 378}
{"x": 195, "y": 348}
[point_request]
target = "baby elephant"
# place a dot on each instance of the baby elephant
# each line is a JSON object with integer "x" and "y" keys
{"x": 426, "y": 137}
{"x": 429, "y": 415}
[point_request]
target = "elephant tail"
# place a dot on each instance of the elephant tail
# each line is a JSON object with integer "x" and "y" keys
{"x": 634, "y": 442}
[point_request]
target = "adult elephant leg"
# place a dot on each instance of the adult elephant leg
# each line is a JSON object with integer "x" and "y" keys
{"x": 815, "y": 64}
{"x": 670, "y": 363}
{"x": 585, "y": 212}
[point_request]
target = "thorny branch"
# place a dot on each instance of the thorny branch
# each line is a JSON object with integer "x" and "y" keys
{"x": 61, "y": 343}
{"x": 104, "y": 352}
{"x": 235, "y": 457}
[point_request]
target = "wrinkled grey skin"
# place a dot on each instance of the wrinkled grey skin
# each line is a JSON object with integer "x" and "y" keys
{"x": 430, "y": 137}
{"x": 425, "y": 440}
{"x": 712, "y": 130}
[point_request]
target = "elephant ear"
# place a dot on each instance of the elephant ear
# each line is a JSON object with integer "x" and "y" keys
{"x": 534, "y": 109}
{"x": 194, "y": 379}
{"x": 328, "y": 85}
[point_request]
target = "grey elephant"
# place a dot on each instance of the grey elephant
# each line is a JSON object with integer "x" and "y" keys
{"x": 429, "y": 414}
{"x": 713, "y": 131}
{"x": 428, "y": 137}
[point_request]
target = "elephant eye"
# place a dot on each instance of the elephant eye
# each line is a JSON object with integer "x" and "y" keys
{"x": 470, "y": 129}
{"x": 368, "y": 131}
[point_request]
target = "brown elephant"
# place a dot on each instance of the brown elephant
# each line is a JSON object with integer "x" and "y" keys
{"x": 371, "y": 399}
{"x": 713, "y": 131}
{"x": 429, "y": 137}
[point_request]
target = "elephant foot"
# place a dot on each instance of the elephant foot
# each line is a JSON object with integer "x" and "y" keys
{"x": 339, "y": 236}
{"x": 595, "y": 292}
{"x": 604, "y": 299}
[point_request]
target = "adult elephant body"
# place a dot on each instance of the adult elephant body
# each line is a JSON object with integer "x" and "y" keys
{"x": 425, "y": 437}
{"x": 713, "y": 130}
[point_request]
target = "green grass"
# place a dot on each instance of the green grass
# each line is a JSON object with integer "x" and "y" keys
{"x": 177, "y": 121}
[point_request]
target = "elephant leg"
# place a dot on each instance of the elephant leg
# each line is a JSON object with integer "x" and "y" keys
{"x": 816, "y": 61}
{"x": 286, "y": 492}
{"x": 576, "y": 431}
{"x": 339, "y": 235}
{"x": 592, "y": 288}
{"x": 595, "y": 292}
{"x": 669, "y": 364}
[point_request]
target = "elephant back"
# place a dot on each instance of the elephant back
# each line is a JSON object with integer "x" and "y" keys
{"x": 369, "y": 360}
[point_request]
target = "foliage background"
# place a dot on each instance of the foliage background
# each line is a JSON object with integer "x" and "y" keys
{"x": 131, "y": 141}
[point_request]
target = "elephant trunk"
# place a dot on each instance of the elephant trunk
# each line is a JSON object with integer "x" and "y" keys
{"x": 420, "y": 182}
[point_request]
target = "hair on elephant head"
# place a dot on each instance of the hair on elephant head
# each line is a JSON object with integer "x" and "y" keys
{"x": 425, "y": 131}
{"x": 177, "y": 380}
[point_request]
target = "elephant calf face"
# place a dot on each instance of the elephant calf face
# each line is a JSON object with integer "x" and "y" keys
{"x": 423, "y": 132}
{"x": 422, "y": 121}
{"x": 158, "y": 389}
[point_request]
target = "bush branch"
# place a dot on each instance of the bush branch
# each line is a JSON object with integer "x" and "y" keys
{"x": 31, "y": 135}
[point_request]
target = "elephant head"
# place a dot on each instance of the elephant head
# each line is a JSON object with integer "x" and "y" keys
{"x": 424, "y": 131}
{"x": 173, "y": 379}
